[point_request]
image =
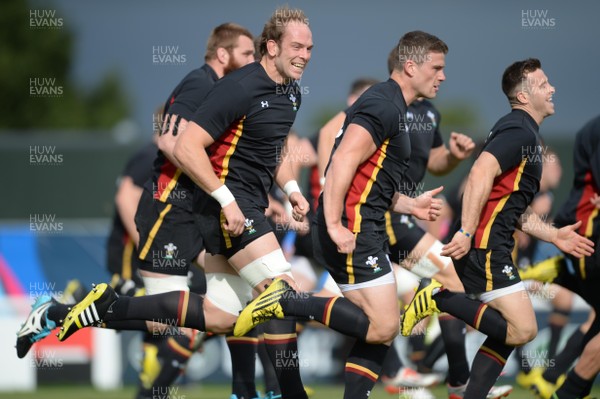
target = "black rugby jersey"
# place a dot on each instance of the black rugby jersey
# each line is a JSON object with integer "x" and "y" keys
{"x": 169, "y": 184}
{"x": 515, "y": 142}
{"x": 586, "y": 182}
{"x": 249, "y": 116}
{"x": 380, "y": 110}
{"x": 422, "y": 123}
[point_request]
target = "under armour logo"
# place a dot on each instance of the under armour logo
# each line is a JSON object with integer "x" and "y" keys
{"x": 264, "y": 104}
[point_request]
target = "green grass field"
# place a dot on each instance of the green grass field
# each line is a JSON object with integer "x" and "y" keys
{"x": 214, "y": 392}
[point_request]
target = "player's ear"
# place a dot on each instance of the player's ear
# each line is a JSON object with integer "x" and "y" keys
{"x": 223, "y": 55}
{"x": 409, "y": 67}
{"x": 522, "y": 97}
{"x": 272, "y": 48}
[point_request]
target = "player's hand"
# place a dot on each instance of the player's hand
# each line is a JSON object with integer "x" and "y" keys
{"x": 343, "y": 238}
{"x": 461, "y": 146}
{"x": 426, "y": 207}
{"x": 234, "y": 219}
{"x": 572, "y": 243}
{"x": 458, "y": 247}
{"x": 300, "y": 206}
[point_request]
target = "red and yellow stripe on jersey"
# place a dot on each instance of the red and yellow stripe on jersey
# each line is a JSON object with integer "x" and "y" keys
{"x": 586, "y": 211}
{"x": 504, "y": 186}
{"x": 223, "y": 149}
{"x": 221, "y": 152}
{"x": 169, "y": 174}
{"x": 360, "y": 188}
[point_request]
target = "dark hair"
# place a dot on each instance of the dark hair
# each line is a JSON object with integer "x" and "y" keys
{"x": 226, "y": 36}
{"x": 275, "y": 26}
{"x": 515, "y": 75}
{"x": 392, "y": 59}
{"x": 416, "y": 46}
{"x": 361, "y": 84}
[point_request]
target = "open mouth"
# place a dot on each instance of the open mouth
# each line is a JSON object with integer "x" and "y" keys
{"x": 299, "y": 65}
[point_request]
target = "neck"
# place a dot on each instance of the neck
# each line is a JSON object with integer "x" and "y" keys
{"x": 269, "y": 65}
{"x": 217, "y": 67}
{"x": 536, "y": 116}
{"x": 410, "y": 95}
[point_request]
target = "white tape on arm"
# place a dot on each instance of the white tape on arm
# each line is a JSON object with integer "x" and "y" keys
{"x": 291, "y": 187}
{"x": 223, "y": 195}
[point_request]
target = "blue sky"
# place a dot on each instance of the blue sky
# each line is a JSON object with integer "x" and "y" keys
{"x": 352, "y": 38}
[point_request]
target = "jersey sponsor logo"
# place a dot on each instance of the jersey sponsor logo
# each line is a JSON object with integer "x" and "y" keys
{"x": 264, "y": 104}
{"x": 372, "y": 263}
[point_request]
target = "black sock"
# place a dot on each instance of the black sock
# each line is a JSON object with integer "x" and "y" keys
{"x": 566, "y": 357}
{"x": 243, "y": 359}
{"x": 558, "y": 319}
{"x": 337, "y": 313}
{"x": 487, "y": 366}
{"x": 453, "y": 334}
{"x": 176, "y": 308}
{"x": 573, "y": 387}
{"x": 58, "y": 312}
{"x": 126, "y": 325}
{"x": 163, "y": 365}
{"x": 475, "y": 313}
{"x": 270, "y": 377}
{"x": 392, "y": 363}
{"x": 435, "y": 350}
{"x": 362, "y": 369}
{"x": 282, "y": 346}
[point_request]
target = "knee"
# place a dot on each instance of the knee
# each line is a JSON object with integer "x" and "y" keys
{"x": 383, "y": 332}
{"x": 522, "y": 334}
{"x": 216, "y": 319}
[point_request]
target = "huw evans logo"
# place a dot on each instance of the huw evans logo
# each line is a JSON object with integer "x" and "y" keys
{"x": 537, "y": 19}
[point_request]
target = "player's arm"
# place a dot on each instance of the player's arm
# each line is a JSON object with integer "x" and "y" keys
{"x": 127, "y": 199}
{"x": 216, "y": 113}
{"x": 442, "y": 159}
{"x": 327, "y": 139}
{"x": 424, "y": 207}
{"x": 173, "y": 125}
{"x": 285, "y": 177}
{"x": 477, "y": 191}
{"x": 565, "y": 238}
{"x": 190, "y": 153}
{"x": 355, "y": 148}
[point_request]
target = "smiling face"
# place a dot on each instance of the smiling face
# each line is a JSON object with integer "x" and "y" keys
{"x": 537, "y": 92}
{"x": 429, "y": 74}
{"x": 293, "y": 51}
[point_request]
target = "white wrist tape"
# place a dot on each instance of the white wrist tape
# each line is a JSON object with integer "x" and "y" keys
{"x": 223, "y": 195}
{"x": 291, "y": 187}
